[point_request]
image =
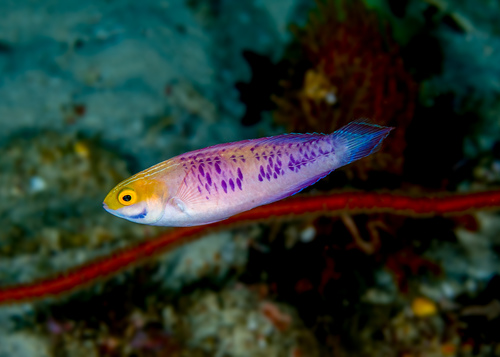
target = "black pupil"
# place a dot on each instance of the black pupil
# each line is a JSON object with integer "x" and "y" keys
{"x": 126, "y": 198}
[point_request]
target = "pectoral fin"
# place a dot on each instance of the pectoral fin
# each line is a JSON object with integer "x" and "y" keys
{"x": 189, "y": 199}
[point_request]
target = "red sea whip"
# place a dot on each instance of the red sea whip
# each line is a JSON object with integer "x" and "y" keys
{"x": 329, "y": 204}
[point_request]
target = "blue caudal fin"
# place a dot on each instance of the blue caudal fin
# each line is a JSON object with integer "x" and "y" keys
{"x": 361, "y": 138}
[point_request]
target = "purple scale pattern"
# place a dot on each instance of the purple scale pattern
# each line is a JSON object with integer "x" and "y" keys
{"x": 209, "y": 169}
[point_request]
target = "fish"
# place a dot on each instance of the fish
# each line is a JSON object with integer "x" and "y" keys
{"x": 217, "y": 182}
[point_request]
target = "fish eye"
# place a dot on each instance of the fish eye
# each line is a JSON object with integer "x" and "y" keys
{"x": 127, "y": 197}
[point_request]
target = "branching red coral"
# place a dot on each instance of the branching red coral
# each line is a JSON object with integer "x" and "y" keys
{"x": 330, "y": 204}
{"x": 353, "y": 70}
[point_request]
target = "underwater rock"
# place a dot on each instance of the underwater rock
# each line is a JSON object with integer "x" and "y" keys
{"x": 49, "y": 182}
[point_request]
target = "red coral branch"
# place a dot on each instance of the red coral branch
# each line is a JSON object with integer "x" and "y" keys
{"x": 352, "y": 68}
{"x": 333, "y": 203}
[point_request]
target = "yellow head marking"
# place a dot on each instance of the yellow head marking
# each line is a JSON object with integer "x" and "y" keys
{"x": 130, "y": 192}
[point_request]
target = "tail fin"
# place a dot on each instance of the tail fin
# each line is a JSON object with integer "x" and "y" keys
{"x": 361, "y": 138}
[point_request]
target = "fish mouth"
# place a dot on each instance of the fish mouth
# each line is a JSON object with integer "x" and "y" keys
{"x": 112, "y": 211}
{"x": 140, "y": 215}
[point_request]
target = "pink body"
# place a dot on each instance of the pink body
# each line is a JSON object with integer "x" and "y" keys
{"x": 220, "y": 181}
{"x": 214, "y": 183}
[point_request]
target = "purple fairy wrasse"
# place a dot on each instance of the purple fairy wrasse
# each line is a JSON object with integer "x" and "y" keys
{"x": 212, "y": 184}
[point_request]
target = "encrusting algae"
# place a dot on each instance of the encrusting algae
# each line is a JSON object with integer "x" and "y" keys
{"x": 49, "y": 182}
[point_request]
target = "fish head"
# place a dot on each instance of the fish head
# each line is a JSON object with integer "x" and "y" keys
{"x": 137, "y": 200}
